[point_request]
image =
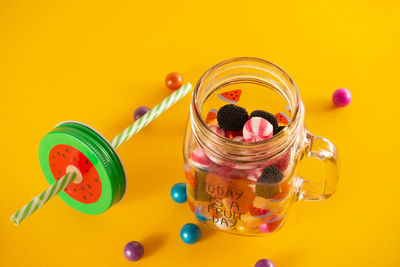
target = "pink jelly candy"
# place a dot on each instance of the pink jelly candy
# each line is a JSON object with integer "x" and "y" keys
{"x": 226, "y": 171}
{"x": 219, "y": 131}
{"x": 282, "y": 162}
{"x": 257, "y": 129}
{"x": 254, "y": 174}
{"x": 239, "y": 138}
{"x": 198, "y": 156}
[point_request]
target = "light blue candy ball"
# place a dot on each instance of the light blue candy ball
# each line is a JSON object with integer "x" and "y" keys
{"x": 178, "y": 193}
{"x": 190, "y": 233}
{"x": 202, "y": 218}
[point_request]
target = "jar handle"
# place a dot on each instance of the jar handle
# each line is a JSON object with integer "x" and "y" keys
{"x": 322, "y": 149}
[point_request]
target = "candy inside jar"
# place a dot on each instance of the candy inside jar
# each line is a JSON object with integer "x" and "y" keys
{"x": 239, "y": 181}
{"x": 245, "y": 201}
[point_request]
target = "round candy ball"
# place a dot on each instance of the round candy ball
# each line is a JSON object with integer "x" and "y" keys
{"x": 139, "y": 112}
{"x": 178, "y": 193}
{"x": 257, "y": 129}
{"x": 341, "y": 97}
{"x": 133, "y": 251}
{"x": 264, "y": 263}
{"x": 190, "y": 233}
{"x": 173, "y": 81}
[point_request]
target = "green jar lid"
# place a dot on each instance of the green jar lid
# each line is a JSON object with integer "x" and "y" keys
{"x": 76, "y": 146}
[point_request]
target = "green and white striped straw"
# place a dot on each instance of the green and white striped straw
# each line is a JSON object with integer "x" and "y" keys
{"x": 151, "y": 115}
{"x": 40, "y": 200}
{"x": 64, "y": 182}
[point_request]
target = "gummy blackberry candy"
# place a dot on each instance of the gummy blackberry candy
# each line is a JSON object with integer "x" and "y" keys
{"x": 232, "y": 118}
{"x": 266, "y": 191}
{"x": 271, "y": 175}
{"x": 267, "y": 185}
{"x": 268, "y": 116}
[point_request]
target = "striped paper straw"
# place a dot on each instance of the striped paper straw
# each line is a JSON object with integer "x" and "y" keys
{"x": 151, "y": 115}
{"x": 64, "y": 182}
{"x": 37, "y": 202}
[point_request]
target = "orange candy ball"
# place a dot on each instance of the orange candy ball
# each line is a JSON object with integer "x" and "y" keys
{"x": 173, "y": 81}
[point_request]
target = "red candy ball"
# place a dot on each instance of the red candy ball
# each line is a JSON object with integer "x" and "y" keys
{"x": 173, "y": 81}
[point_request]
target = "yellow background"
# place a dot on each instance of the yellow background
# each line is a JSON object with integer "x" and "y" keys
{"x": 97, "y": 61}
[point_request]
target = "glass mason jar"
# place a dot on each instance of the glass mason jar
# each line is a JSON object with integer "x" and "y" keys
{"x": 224, "y": 186}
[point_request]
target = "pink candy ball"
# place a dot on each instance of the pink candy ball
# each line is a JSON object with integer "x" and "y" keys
{"x": 273, "y": 224}
{"x": 257, "y": 129}
{"x": 264, "y": 228}
{"x": 341, "y": 97}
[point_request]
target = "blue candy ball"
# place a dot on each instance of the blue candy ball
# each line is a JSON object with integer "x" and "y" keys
{"x": 190, "y": 233}
{"x": 178, "y": 193}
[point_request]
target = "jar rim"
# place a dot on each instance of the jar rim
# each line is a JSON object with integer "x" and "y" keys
{"x": 279, "y": 140}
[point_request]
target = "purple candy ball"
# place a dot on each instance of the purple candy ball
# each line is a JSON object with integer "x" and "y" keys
{"x": 264, "y": 263}
{"x": 341, "y": 97}
{"x": 139, "y": 112}
{"x": 133, "y": 251}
